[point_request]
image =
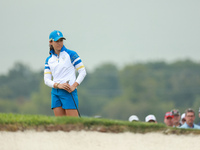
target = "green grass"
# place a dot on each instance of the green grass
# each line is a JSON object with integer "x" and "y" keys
{"x": 15, "y": 122}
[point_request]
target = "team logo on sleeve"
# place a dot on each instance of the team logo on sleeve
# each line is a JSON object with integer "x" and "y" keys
{"x": 74, "y": 57}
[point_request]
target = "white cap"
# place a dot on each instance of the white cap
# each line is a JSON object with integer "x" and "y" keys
{"x": 182, "y": 116}
{"x": 133, "y": 118}
{"x": 150, "y": 117}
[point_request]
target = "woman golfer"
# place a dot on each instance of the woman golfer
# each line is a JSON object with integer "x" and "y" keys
{"x": 61, "y": 65}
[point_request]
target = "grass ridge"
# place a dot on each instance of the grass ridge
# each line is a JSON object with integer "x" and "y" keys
{"x": 21, "y": 122}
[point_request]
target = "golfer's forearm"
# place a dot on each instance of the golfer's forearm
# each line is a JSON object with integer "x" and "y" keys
{"x": 49, "y": 82}
{"x": 81, "y": 75}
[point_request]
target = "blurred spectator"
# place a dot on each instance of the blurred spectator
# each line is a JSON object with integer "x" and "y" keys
{"x": 168, "y": 119}
{"x": 177, "y": 117}
{"x": 190, "y": 117}
{"x": 97, "y": 116}
{"x": 133, "y": 118}
{"x": 150, "y": 118}
{"x": 183, "y": 119}
{"x": 199, "y": 115}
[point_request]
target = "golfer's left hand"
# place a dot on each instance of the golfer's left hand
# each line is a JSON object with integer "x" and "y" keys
{"x": 70, "y": 88}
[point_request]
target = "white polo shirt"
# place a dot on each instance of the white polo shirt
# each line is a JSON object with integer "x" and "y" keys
{"x": 63, "y": 68}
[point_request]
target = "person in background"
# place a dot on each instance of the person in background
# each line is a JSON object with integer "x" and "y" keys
{"x": 183, "y": 119}
{"x": 150, "y": 118}
{"x": 168, "y": 119}
{"x": 190, "y": 117}
{"x": 60, "y": 74}
{"x": 199, "y": 115}
{"x": 133, "y": 118}
{"x": 177, "y": 117}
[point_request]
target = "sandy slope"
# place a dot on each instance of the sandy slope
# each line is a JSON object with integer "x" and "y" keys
{"x": 84, "y": 140}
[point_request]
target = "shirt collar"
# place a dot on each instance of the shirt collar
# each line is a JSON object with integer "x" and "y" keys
{"x": 62, "y": 49}
{"x": 189, "y": 126}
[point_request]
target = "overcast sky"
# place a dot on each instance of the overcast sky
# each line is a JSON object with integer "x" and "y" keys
{"x": 118, "y": 31}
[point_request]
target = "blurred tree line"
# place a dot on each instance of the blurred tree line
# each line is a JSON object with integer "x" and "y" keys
{"x": 139, "y": 89}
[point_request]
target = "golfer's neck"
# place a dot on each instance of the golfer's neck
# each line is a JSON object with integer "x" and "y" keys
{"x": 57, "y": 52}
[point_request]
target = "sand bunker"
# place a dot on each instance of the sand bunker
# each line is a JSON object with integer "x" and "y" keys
{"x": 87, "y": 140}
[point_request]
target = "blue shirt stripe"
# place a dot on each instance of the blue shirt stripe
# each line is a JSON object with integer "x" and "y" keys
{"x": 76, "y": 63}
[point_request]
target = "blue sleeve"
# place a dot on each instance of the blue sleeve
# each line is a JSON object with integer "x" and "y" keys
{"x": 46, "y": 63}
{"x": 73, "y": 55}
